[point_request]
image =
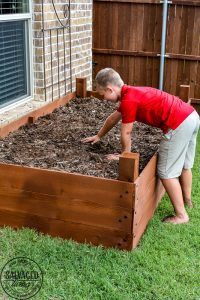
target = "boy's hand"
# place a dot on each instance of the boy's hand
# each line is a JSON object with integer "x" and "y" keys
{"x": 113, "y": 156}
{"x": 91, "y": 139}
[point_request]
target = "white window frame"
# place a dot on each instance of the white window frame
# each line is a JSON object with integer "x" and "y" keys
{"x": 29, "y": 46}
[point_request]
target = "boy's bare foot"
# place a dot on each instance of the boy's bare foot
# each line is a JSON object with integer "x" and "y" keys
{"x": 176, "y": 220}
{"x": 188, "y": 202}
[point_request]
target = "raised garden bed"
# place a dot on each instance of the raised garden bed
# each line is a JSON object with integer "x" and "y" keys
{"x": 54, "y": 141}
{"x": 101, "y": 211}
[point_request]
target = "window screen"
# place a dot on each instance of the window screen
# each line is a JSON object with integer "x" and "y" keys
{"x": 13, "y": 6}
{"x": 13, "y": 79}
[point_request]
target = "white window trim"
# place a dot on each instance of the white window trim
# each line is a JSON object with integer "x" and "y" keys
{"x": 14, "y": 17}
{"x": 29, "y": 42}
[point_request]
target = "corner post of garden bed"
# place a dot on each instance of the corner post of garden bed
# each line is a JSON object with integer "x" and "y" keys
{"x": 128, "y": 166}
{"x": 184, "y": 92}
{"x": 81, "y": 87}
{"x": 129, "y": 172}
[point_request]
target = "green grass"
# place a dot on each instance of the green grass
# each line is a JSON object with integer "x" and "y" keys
{"x": 165, "y": 266}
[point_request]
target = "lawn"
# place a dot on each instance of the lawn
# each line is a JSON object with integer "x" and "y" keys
{"x": 165, "y": 266}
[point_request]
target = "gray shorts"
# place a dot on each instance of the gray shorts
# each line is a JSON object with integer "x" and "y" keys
{"x": 177, "y": 148}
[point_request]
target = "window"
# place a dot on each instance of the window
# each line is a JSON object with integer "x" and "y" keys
{"x": 14, "y": 51}
{"x": 13, "y": 6}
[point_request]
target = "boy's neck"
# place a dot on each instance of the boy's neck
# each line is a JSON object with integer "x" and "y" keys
{"x": 119, "y": 93}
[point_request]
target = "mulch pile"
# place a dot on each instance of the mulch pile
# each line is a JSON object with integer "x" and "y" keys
{"x": 54, "y": 141}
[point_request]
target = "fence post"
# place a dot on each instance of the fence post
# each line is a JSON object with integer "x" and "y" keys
{"x": 81, "y": 87}
{"x": 128, "y": 166}
{"x": 184, "y": 93}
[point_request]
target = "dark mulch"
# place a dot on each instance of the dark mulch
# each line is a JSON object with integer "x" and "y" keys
{"x": 54, "y": 141}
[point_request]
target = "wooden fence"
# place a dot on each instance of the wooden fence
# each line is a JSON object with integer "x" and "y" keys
{"x": 127, "y": 37}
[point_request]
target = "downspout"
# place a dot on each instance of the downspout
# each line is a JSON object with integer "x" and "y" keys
{"x": 163, "y": 43}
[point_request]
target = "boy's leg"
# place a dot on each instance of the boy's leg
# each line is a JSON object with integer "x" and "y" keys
{"x": 174, "y": 155}
{"x": 170, "y": 165}
{"x": 174, "y": 191}
{"x": 186, "y": 175}
{"x": 186, "y": 185}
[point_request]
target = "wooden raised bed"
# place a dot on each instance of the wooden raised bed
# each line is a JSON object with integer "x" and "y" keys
{"x": 112, "y": 213}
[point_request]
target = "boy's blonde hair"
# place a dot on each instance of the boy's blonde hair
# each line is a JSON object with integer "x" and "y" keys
{"x": 108, "y": 76}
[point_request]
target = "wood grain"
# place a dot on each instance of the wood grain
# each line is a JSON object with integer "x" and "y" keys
{"x": 148, "y": 192}
{"x": 129, "y": 166}
{"x": 132, "y": 42}
{"x": 68, "y": 230}
{"x": 50, "y": 182}
{"x": 66, "y": 208}
{"x": 81, "y": 87}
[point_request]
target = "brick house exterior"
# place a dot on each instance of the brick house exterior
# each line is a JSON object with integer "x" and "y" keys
{"x": 81, "y": 45}
{"x": 59, "y": 53}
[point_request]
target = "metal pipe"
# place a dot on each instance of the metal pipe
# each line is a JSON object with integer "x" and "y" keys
{"x": 163, "y": 43}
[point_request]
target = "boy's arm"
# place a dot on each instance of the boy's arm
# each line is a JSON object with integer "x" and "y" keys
{"x": 126, "y": 130}
{"x": 110, "y": 122}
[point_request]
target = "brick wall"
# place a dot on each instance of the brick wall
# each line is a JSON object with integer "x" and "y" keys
{"x": 81, "y": 45}
{"x": 51, "y": 49}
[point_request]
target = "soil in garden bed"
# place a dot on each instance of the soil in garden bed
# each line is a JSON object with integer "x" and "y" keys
{"x": 54, "y": 141}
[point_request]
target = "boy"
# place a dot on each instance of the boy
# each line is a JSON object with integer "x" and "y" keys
{"x": 178, "y": 121}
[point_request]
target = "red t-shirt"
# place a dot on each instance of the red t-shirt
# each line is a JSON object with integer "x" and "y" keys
{"x": 152, "y": 107}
